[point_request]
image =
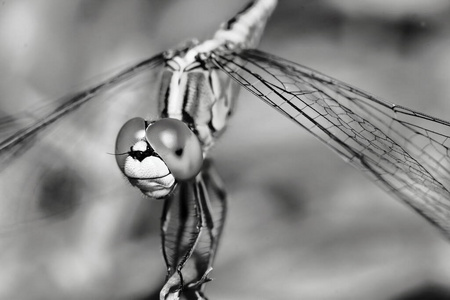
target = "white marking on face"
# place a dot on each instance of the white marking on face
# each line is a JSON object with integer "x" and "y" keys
{"x": 149, "y": 167}
{"x": 150, "y": 175}
{"x": 140, "y": 146}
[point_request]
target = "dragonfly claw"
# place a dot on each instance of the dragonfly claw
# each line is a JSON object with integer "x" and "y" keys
{"x": 196, "y": 285}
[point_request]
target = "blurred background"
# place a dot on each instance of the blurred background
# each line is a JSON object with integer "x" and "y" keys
{"x": 301, "y": 223}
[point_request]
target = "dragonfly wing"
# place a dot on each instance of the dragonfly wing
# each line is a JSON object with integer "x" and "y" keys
{"x": 404, "y": 151}
{"x": 37, "y": 121}
{"x": 191, "y": 226}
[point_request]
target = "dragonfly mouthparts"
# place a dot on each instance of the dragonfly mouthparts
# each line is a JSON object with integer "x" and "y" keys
{"x": 149, "y": 178}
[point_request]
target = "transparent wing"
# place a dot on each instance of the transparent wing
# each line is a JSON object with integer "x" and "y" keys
{"x": 52, "y": 155}
{"x": 40, "y": 120}
{"x": 404, "y": 151}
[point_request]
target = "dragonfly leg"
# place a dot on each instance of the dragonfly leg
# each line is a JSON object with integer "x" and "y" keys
{"x": 191, "y": 226}
{"x": 181, "y": 226}
{"x": 217, "y": 202}
{"x": 212, "y": 198}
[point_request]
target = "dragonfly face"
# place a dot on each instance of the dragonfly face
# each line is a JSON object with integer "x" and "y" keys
{"x": 158, "y": 154}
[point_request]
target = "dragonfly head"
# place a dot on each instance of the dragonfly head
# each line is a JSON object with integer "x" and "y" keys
{"x": 154, "y": 156}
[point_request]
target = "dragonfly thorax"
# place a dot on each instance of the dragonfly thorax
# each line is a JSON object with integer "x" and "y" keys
{"x": 198, "y": 94}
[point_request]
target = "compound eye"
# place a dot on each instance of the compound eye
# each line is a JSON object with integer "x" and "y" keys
{"x": 178, "y": 147}
{"x": 131, "y": 132}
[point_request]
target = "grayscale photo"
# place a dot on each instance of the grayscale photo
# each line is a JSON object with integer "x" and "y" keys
{"x": 205, "y": 149}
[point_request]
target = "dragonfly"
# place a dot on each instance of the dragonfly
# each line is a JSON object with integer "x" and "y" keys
{"x": 403, "y": 150}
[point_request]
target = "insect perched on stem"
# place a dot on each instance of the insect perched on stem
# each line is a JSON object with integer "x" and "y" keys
{"x": 167, "y": 156}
